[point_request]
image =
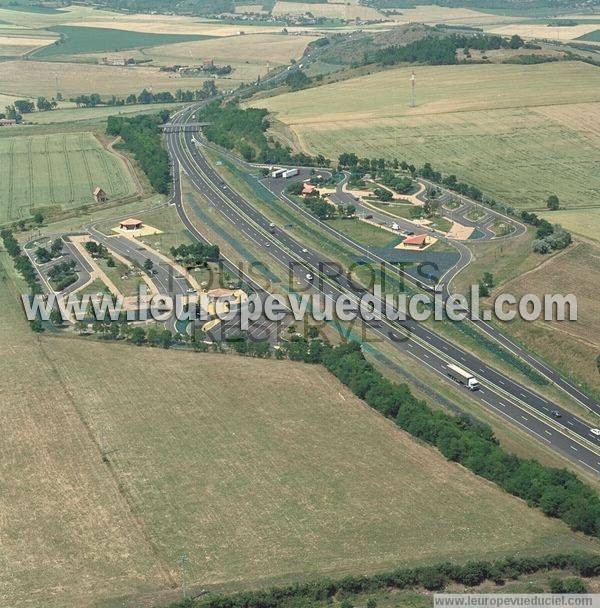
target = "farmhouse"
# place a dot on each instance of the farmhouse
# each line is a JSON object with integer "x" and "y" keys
{"x": 99, "y": 195}
{"x": 131, "y": 224}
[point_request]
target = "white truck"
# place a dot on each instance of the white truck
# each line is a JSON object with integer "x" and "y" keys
{"x": 463, "y": 377}
{"x": 277, "y": 172}
{"x": 290, "y": 173}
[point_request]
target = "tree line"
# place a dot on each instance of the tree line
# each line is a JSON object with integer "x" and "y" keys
{"x": 245, "y": 131}
{"x": 557, "y": 492}
{"x": 432, "y": 578}
{"x": 145, "y": 97}
{"x": 24, "y": 267}
{"x": 440, "y": 50}
{"x": 196, "y": 254}
{"x": 141, "y": 136}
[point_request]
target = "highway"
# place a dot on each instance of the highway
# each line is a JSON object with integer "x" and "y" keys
{"x": 445, "y": 280}
{"x": 529, "y": 410}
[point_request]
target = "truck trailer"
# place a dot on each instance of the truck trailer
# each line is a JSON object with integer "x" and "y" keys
{"x": 463, "y": 377}
{"x": 290, "y": 173}
{"x": 277, "y": 172}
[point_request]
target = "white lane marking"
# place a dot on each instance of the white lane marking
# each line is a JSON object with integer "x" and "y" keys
{"x": 548, "y": 432}
{"x": 573, "y": 448}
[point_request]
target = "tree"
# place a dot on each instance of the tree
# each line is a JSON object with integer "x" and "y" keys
{"x": 24, "y": 106}
{"x": 110, "y": 262}
{"x": 553, "y": 203}
{"x": 56, "y": 318}
{"x": 295, "y": 188}
{"x": 43, "y": 105}
{"x": 12, "y": 113}
{"x": 574, "y": 585}
{"x": 148, "y": 264}
{"x": 165, "y": 339}
{"x": 297, "y": 80}
{"x": 348, "y": 159}
{"x": 36, "y": 326}
{"x": 516, "y": 42}
{"x": 138, "y": 336}
{"x": 383, "y": 194}
{"x": 81, "y": 327}
{"x": 56, "y": 247}
{"x": 38, "y": 218}
{"x": 488, "y": 279}
{"x": 43, "y": 255}
{"x": 544, "y": 229}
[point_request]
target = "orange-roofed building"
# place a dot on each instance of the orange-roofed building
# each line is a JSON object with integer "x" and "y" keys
{"x": 418, "y": 241}
{"x": 307, "y": 189}
{"x": 131, "y": 224}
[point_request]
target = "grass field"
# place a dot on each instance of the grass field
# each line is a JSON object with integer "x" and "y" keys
{"x": 33, "y": 78}
{"x": 89, "y": 40}
{"x": 56, "y": 171}
{"x": 365, "y": 233}
{"x": 541, "y": 30}
{"x": 432, "y": 14}
{"x": 491, "y": 125}
{"x": 69, "y": 538}
{"x": 581, "y": 221}
{"x": 251, "y": 488}
{"x": 18, "y": 45}
{"x": 593, "y": 36}
{"x": 252, "y": 49}
{"x": 573, "y": 271}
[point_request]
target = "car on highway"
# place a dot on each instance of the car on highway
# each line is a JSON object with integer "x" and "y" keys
{"x": 309, "y": 276}
{"x": 595, "y": 432}
{"x": 556, "y": 414}
{"x": 305, "y": 250}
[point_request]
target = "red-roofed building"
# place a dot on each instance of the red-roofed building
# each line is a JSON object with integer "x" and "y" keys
{"x": 418, "y": 241}
{"x": 307, "y": 189}
{"x": 99, "y": 195}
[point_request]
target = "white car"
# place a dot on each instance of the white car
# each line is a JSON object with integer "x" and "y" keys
{"x": 305, "y": 251}
{"x": 309, "y": 276}
{"x": 595, "y": 432}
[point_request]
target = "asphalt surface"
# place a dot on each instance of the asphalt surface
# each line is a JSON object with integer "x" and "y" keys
{"x": 534, "y": 413}
{"x": 278, "y": 186}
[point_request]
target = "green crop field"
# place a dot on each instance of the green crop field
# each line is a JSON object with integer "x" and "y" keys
{"x": 96, "y": 39}
{"x": 498, "y": 127}
{"x": 56, "y": 171}
{"x": 245, "y": 477}
{"x": 591, "y": 36}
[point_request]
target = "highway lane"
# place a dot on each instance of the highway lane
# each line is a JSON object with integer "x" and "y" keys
{"x": 523, "y": 406}
{"x": 465, "y": 257}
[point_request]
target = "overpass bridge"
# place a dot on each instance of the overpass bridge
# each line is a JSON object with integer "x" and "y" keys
{"x": 188, "y": 127}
